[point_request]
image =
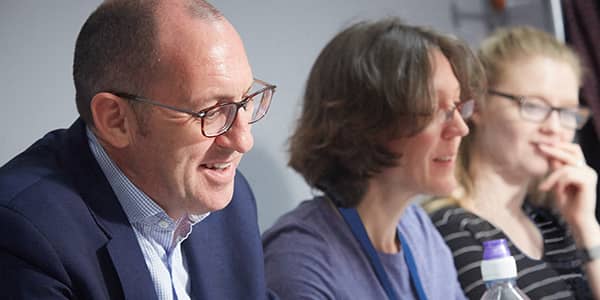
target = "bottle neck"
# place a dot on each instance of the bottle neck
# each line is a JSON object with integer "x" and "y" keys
{"x": 504, "y": 281}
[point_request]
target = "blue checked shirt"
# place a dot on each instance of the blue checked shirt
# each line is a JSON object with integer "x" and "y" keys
{"x": 158, "y": 235}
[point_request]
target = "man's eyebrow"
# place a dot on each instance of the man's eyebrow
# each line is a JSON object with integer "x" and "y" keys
{"x": 222, "y": 97}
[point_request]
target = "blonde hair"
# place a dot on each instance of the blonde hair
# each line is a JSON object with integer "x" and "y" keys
{"x": 523, "y": 42}
{"x": 496, "y": 53}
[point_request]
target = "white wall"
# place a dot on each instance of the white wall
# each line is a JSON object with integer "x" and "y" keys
{"x": 282, "y": 39}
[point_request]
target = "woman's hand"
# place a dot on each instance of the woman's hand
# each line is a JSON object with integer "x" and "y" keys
{"x": 573, "y": 183}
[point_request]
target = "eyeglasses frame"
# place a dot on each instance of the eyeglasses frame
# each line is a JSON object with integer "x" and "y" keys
{"x": 458, "y": 107}
{"x": 201, "y": 114}
{"x": 583, "y": 111}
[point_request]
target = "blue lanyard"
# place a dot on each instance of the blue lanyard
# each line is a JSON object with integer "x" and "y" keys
{"x": 358, "y": 230}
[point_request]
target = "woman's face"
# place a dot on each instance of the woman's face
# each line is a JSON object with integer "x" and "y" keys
{"x": 427, "y": 159}
{"x": 504, "y": 137}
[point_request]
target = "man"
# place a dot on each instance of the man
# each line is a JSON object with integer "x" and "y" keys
{"x": 105, "y": 209}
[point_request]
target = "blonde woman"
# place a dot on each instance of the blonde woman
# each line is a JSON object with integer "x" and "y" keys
{"x": 523, "y": 179}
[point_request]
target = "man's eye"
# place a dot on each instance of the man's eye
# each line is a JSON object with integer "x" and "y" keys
{"x": 212, "y": 114}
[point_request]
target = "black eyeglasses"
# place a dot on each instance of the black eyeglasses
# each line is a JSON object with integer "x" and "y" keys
{"x": 537, "y": 109}
{"x": 218, "y": 119}
{"x": 465, "y": 110}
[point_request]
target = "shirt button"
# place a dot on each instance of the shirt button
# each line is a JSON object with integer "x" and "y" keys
{"x": 163, "y": 224}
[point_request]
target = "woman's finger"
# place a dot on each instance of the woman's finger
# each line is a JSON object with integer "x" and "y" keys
{"x": 567, "y": 155}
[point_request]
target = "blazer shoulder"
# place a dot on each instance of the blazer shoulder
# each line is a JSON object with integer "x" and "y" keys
{"x": 39, "y": 163}
{"x": 41, "y": 176}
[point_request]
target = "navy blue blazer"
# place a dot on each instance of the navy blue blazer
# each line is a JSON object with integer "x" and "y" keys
{"x": 64, "y": 235}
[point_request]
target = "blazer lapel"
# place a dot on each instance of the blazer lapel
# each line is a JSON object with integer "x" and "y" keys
{"x": 129, "y": 263}
{"x": 122, "y": 247}
{"x": 194, "y": 261}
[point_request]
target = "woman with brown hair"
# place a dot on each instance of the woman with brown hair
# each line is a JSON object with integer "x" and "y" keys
{"x": 522, "y": 177}
{"x": 382, "y": 118}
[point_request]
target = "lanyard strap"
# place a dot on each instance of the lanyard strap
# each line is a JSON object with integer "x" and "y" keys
{"x": 412, "y": 268}
{"x": 353, "y": 220}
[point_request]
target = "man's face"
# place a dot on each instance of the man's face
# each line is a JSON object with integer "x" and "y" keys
{"x": 171, "y": 160}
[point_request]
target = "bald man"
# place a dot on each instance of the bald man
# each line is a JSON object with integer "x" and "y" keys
{"x": 140, "y": 197}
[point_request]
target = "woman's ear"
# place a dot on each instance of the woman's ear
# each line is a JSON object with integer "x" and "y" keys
{"x": 110, "y": 114}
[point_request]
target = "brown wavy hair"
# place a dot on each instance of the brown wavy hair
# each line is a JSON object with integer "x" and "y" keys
{"x": 371, "y": 83}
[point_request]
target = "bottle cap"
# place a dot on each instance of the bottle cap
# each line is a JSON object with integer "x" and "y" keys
{"x": 495, "y": 249}
{"x": 497, "y": 262}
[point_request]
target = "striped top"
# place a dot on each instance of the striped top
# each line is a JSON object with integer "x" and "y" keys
{"x": 558, "y": 275}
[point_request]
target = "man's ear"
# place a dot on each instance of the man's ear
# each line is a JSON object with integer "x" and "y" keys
{"x": 110, "y": 115}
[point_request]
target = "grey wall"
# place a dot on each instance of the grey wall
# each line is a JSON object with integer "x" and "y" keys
{"x": 282, "y": 39}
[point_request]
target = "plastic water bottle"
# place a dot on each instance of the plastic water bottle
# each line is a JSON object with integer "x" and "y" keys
{"x": 499, "y": 272}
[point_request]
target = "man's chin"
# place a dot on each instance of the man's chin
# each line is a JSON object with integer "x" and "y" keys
{"x": 223, "y": 204}
{"x": 218, "y": 201}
